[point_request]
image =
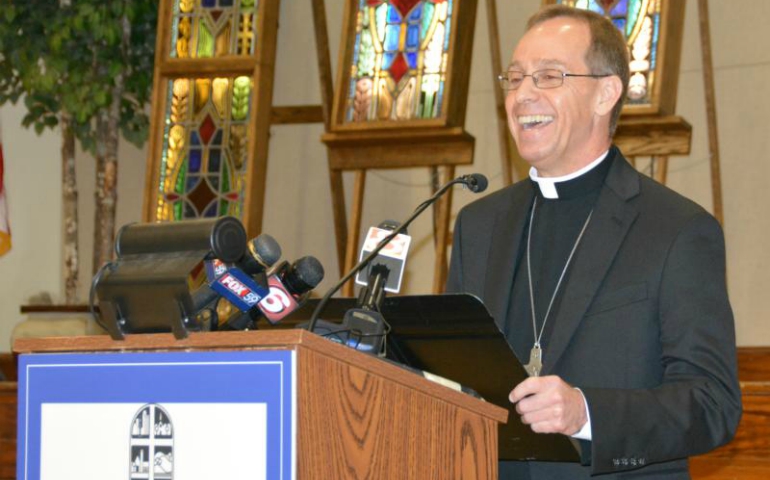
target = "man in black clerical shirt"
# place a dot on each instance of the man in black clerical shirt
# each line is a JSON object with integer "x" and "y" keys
{"x": 609, "y": 286}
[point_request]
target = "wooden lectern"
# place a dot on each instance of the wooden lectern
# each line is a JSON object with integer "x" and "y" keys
{"x": 356, "y": 416}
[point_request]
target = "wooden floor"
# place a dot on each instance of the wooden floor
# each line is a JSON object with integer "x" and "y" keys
{"x": 747, "y": 457}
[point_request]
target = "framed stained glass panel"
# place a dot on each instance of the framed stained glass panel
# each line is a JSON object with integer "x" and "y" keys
{"x": 400, "y": 102}
{"x": 213, "y": 28}
{"x": 212, "y": 97}
{"x": 205, "y": 144}
{"x": 652, "y": 29}
{"x": 400, "y": 63}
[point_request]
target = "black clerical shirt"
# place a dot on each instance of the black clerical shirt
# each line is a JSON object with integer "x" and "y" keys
{"x": 556, "y": 226}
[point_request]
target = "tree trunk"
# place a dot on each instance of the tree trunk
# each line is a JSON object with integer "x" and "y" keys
{"x": 70, "y": 211}
{"x": 106, "y": 188}
{"x": 108, "y": 134}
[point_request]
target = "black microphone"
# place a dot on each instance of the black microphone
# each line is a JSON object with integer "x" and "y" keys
{"x": 475, "y": 182}
{"x": 371, "y": 296}
{"x": 262, "y": 253}
{"x": 303, "y": 275}
{"x": 365, "y": 325}
{"x": 289, "y": 287}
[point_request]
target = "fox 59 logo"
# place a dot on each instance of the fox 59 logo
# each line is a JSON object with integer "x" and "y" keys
{"x": 240, "y": 290}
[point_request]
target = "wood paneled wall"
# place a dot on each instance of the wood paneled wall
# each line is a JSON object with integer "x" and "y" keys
{"x": 7, "y": 367}
{"x": 7, "y": 430}
{"x": 747, "y": 457}
{"x": 7, "y": 417}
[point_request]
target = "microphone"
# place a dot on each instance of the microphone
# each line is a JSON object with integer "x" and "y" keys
{"x": 289, "y": 287}
{"x": 240, "y": 289}
{"x": 365, "y": 324}
{"x": 363, "y": 328}
{"x": 475, "y": 182}
{"x": 393, "y": 255}
{"x": 371, "y": 296}
{"x": 261, "y": 253}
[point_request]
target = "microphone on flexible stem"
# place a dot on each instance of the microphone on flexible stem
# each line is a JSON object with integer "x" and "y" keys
{"x": 475, "y": 182}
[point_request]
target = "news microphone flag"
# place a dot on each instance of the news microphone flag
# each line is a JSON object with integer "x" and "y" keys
{"x": 279, "y": 303}
{"x": 393, "y": 256}
{"x": 5, "y": 228}
{"x": 236, "y": 286}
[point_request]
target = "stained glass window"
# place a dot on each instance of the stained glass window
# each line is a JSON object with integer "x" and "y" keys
{"x": 639, "y": 21}
{"x": 400, "y": 59}
{"x": 213, "y": 28}
{"x": 203, "y": 163}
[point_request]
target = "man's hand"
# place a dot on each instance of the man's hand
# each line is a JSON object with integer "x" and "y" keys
{"x": 549, "y": 405}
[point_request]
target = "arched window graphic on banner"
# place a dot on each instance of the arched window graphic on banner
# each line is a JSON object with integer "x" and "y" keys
{"x": 151, "y": 449}
{"x": 400, "y": 59}
{"x": 640, "y": 23}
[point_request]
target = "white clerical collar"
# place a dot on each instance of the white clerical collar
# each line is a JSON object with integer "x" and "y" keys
{"x": 547, "y": 185}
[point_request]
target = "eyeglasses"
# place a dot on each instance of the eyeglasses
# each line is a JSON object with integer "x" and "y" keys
{"x": 549, "y": 78}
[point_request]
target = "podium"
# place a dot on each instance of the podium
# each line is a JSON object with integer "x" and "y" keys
{"x": 349, "y": 415}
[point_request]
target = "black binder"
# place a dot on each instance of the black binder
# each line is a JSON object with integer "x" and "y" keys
{"x": 455, "y": 337}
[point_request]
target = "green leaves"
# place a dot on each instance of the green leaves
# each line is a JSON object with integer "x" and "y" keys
{"x": 69, "y": 58}
{"x": 42, "y": 112}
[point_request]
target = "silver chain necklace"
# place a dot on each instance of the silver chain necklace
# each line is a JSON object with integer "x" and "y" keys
{"x": 535, "y": 364}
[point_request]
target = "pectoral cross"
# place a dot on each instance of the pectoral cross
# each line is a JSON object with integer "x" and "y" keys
{"x": 535, "y": 361}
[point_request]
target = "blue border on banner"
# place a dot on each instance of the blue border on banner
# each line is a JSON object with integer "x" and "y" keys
{"x": 258, "y": 376}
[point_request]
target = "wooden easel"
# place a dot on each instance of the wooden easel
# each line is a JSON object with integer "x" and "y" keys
{"x": 440, "y": 144}
{"x": 260, "y": 68}
{"x": 443, "y": 149}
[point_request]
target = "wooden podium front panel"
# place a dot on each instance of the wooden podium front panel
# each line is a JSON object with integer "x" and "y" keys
{"x": 357, "y": 424}
{"x": 357, "y": 416}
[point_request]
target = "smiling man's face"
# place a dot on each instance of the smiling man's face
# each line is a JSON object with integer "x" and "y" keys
{"x": 562, "y": 129}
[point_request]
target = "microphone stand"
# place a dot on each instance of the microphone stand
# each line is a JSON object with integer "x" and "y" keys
{"x": 420, "y": 208}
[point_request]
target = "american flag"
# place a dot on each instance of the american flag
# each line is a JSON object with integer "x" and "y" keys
{"x": 5, "y": 228}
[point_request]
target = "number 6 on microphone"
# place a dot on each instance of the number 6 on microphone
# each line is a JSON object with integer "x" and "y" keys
{"x": 279, "y": 302}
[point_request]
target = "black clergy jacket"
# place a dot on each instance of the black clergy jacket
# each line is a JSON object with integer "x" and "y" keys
{"x": 644, "y": 326}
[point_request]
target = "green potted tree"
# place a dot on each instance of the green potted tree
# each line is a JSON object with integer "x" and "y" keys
{"x": 85, "y": 67}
